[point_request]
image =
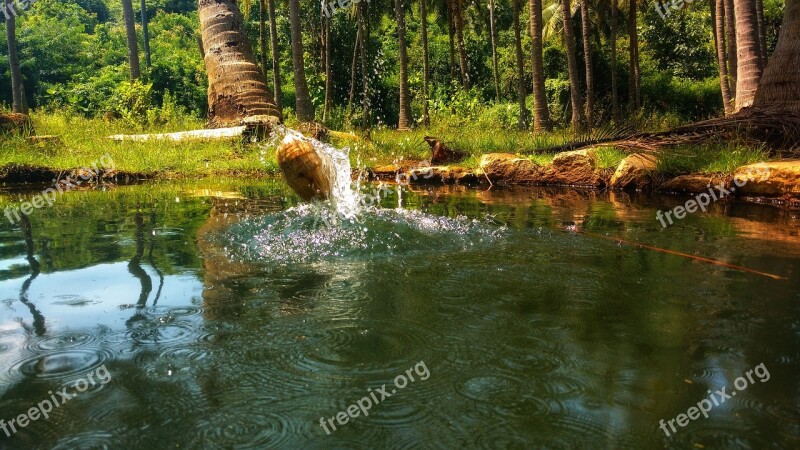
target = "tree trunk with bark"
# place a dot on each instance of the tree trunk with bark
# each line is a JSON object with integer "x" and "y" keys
{"x": 404, "y": 122}
{"x": 17, "y": 89}
{"x": 276, "y": 64}
{"x": 130, "y": 33}
{"x": 587, "y": 59}
{"x": 362, "y": 28}
{"x": 262, "y": 36}
{"x": 730, "y": 43}
{"x": 576, "y": 100}
{"x": 328, "y": 72}
{"x": 634, "y": 89}
{"x": 145, "y": 35}
{"x": 458, "y": 21}
{"x": 426, "y": 70}
{"x": 780, "y": 84}
{"x": 236, "y": 86}
{"x": 541, "y": 113}
{"x": 303, "y": 105}
{"x": 749, "y": 70}
{"x": 614, "y": 74}
{"x": 493, "y": 39}
{"x": 523, "y": 109}
{"x": 718, "y": 15}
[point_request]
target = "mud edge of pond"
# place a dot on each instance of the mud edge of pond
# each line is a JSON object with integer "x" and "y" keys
{"x": 16, "y": 174}
{"x": 773, "y": 182}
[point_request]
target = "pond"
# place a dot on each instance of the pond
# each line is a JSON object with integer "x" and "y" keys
{"x": 218, "y": 314}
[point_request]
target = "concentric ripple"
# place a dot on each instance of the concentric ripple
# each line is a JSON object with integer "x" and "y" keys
{"x": 61, "y": 365}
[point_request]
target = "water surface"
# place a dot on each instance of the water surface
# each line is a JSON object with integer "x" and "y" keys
{"x": 227, "y": 317}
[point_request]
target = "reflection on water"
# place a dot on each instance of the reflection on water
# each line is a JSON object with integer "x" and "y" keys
{"x": 227, "y": 318}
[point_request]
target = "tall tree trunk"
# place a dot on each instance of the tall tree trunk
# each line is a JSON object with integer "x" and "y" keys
{"x": 404, "y": 123}
{"x": 130, "y": 32}
{"x": 762, "y": 33}
{"x": 262, "y": 35}
{"x": 541, "y": 113}
{"x": 276, "y": 56}
{"x": 587, "y": 59}
{"x": 634, "y": 91}
{"x": 146, "y": 35}
{"x": 780, "y": 85}
{"x": 451, "y": 30}
{"x": 328, "y": 75}
{"x": 458, "y": 20}
{"x": 523, "y": 109}
{"x": 493, "y": 39}
{"x": 426, "y": 70}
{"x": 730, "y": 43}
{"x": 748, "y": 70}
{"x": 305, "y": 109}
{"x": 236, "y": 86}
{"x": 614, "y": 73}
{"x": 17, "y": 89}
{"x": 353, "y": 68}
{"x": 362, "y": 27}
{"x": 718, "y": 14}
{"x": 572, "y": 66}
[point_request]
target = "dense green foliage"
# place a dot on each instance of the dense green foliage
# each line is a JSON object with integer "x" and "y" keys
{"x": 74, "y": 57}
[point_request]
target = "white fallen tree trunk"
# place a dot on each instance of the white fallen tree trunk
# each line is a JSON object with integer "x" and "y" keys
{"x": 214, "y": 134}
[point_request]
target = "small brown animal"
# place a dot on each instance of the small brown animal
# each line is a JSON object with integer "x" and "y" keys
{"x": 441, "y": 153}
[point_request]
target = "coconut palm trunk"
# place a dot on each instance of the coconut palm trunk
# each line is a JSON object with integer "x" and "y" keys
{"x": 780, "y": 84}
{"x": 576, "y": 101}
{"x": 451, "y": 32}
{"x": 493, "y": 39}
{"x": 718, "y": 14}
{"x": 303, "y": 105}
{"x": 275, "y": 52}
{"x": 458, "y": 22}
{"x": 130, "y": 33}
{"x": 749, "y": 68}
{"x": 614, "y": 73}
{"x": 587, "y": 59}
{"x": 634, "y": 90}
{"x": 145, "y": 35}
{"x": 19, "y": 105}
{"x": 523, "y": 109}
{"x": 328, "y": 74}
{"x": 404, "y": 122}
{"x": 541, "y": 113}
{"x": 730, "y": 43}
{"x": 363, "y": 31}
{"x": 762, "y": 33}
{"x": 262, "y": 35}
{"x": 426, "y": 70}
{"x": 236, "y": 86}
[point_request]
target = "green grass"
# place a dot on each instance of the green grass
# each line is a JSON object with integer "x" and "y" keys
{"x": 710, "y": 158}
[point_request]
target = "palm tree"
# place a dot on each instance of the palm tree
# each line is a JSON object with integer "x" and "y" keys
{"x": 748, "y": 68}
{"x": 541, "y": 113}
{"x": 493, "y": 39}
{"x": 458, "y": 22}
{"x": 130, "y": 32}
{"x": 363, "y": 32}
{"x": 19, "y": 105}
{"x": 305, "y": 109}
{"x": 614, "y": 75}
{"x": 587, "y": 58}
{"x": 328, "y": 75}
{"x": 762, "y": 33}
{"x": 572, "y": 68}
{"x": 262, "y": 34}
{"x": 145, "y": 35}
{"x": 634, "y": 91}
{"x": 237, "y": 88}
{"x": 730, "y": 43}
{"x": 276, "y": 66}
{"x": 718, "y": 15}
{"x": 523, "y": 109}
{"x": 780, "y": 84}
{"x": 423, "y": 15}
{"x": 404, "y": 123}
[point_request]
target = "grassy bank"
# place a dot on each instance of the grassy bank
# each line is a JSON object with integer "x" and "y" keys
{"x": 85, "y": 141}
